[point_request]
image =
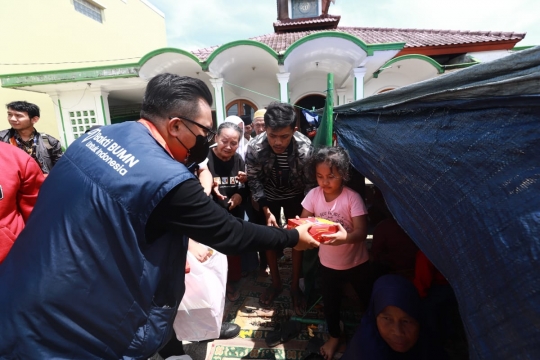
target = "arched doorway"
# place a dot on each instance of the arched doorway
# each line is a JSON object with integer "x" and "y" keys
{"x": 308, "y": 102}
{"x": 241, "y": 107}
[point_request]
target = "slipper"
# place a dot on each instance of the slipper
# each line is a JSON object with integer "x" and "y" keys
{"x": 298, "y": 302}
{"x": 269, "y": 295}
{"x": 283, "y": 332}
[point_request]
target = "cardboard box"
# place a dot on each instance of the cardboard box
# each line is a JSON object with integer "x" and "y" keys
{"x": 320, "y": 226}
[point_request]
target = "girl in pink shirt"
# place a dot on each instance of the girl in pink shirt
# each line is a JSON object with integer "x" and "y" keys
{"x": 344, "y": 257}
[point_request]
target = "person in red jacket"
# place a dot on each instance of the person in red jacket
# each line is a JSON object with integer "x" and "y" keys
{"x": 20, "y": 180}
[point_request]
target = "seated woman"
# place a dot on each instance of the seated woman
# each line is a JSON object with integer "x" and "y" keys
{"x": 227, "y": 169}
{"x": 390, "y": 328}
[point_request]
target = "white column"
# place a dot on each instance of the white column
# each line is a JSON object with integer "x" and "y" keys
{"x": 340, "y": 93}
{"x": 101, "y": 106}
{"x": 283, "y": 79}
{"x": 59, "y": 118}
{"x": 359, "y": 74}
{"x": 219, "y": 100}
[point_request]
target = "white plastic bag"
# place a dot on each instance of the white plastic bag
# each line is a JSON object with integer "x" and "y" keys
{"x": 200, "y": 313}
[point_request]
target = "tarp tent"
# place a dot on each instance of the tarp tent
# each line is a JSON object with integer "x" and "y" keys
{"x": 457, "y": 159}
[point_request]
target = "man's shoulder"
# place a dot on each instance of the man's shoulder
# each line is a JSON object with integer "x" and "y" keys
{"x": 4, "y": 135}
{"x": 302, "y": 141}
{"x": 257, "y": 145}
{"x": 50, "y": 138}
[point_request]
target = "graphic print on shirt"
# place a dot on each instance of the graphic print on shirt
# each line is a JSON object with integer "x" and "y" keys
{"x": 335, "y": 217}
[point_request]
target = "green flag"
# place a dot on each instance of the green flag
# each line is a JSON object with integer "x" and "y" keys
{"x": 326, "y": 126}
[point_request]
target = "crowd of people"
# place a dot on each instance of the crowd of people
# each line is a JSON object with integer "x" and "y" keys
{"x": 97, "y": 270}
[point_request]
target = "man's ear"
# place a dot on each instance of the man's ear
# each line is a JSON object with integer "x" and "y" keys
{"x": 173, "y": 126}
{"x": 35, "y": 119}
{"x": 296, "y": 128}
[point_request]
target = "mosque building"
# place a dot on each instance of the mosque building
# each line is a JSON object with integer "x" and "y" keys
{"x": 291, "y": 64}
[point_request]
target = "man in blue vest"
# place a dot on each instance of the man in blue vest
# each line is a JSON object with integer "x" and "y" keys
{"x": 98, "y": 271}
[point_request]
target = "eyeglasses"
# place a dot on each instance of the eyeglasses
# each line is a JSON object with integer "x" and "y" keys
{"x": 209, "y": 132}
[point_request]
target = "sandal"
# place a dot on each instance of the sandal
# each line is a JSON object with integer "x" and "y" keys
{"x": 283, "y": 332}
{"x": 268, "y": 296}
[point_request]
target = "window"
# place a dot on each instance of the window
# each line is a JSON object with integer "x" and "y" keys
{"x": 89, "y": 9}
{"x": 81, "y": 121}
{"x": 241, "y": 107}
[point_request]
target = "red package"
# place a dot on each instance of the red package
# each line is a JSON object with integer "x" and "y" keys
{"x": 320, "y": 226}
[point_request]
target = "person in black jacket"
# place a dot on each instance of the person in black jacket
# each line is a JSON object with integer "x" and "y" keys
{"x": 43, "y": 148}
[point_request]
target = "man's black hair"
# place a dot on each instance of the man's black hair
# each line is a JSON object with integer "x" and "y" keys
{"x": 173, "y": 95}
{"x": 31, "y": 109}
{"x": 280, "y": 115}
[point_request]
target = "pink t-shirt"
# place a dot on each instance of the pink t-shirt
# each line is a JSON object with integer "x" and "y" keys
{"x": 341, "y": 210}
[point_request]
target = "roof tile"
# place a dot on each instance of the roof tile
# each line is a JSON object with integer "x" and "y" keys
{"x": 411, "y": 37}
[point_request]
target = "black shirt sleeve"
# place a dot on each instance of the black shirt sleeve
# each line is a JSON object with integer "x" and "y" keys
{"x": 186, "y": 210}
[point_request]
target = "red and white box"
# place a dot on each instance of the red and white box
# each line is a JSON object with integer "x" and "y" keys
{"x": 320, "y": 226}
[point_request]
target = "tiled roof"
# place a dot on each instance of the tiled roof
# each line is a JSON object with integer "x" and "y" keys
{"x": 326, "y": 22}
{"x": 413, "y": 38}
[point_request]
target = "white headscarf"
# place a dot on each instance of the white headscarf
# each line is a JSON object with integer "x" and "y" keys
{"x": 242, "y": 146}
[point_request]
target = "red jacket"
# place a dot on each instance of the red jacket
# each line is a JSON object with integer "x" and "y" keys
{"x": 20, "y": 180}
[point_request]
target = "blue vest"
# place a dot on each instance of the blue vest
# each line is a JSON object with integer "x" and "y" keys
{"x": 81, "y": 281}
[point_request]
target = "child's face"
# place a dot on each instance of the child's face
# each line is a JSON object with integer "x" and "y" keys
{"x": 328, "y": 178}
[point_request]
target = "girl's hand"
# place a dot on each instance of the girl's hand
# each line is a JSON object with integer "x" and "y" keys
{"x": 234, "y": 201}
{"x": 242, "y": 177}
{"x": 338, "y": 238}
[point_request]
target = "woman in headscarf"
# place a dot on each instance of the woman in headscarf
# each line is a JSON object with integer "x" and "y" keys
{"x": 242, "y": 145}
{"x": 391, "y": 328}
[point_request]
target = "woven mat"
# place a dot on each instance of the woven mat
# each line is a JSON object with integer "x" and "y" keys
{"x": 257, "y": 321}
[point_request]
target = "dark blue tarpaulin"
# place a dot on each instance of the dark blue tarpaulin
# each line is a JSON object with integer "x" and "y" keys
{"x": 457, "y": 159}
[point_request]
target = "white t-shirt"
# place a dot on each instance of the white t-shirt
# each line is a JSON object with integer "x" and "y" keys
{"x": 341, "y": 210}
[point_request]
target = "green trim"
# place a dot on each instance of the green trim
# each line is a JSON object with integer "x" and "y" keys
{"x": 279, "y": 84}
{"x": 436, "y": 65}
{"x": 62, "y": 121}
{"x": 519, "y": 48}
{"x": 368, "y": 48}
{"x": 460, "y": 66}
{"x": 70, "y": 75}
{"x": 287, "y": 93}
{"x": 157, "y": 52}
{"x": 87, "y": 73}
{"x": 223, "y": 104}
{"x": 103, "y": 109}
{"x": 205, "y": 65}
{"x": 355, "y": 94}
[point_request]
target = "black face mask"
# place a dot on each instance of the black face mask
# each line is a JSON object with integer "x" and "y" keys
{"x": 199, "y": 151}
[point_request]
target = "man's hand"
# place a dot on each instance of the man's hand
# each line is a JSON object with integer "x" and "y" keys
{"x": 305, "y": 240}
{"x": 234, "y": 201}
{"x": 270, "y": 218}
{"x": 200, "y": 251}
{"x": 338, "y": 238}
{"x": 242, "y": 177}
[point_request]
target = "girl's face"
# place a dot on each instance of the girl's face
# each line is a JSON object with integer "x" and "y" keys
{"x": 227, "y": 143}
{"x": 328, "y": 179}
{"x": 397, "y": 328}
